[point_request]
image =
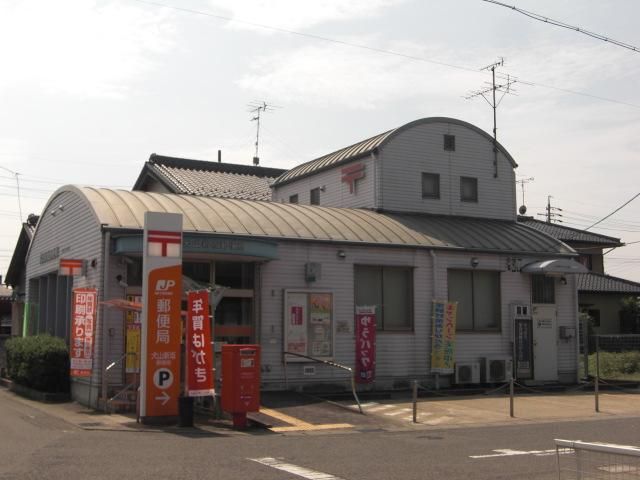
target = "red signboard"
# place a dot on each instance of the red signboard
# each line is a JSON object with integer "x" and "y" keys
{"x": 82, "y": 329}
{"x": 70, "y": 267}
{"x": 198, "y": 341}
{"x": 163, "y": 341}
{"x": 365, "y": 344}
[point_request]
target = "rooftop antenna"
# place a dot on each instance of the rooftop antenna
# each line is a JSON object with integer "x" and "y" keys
{"x": 504, "y": 88}
{"x": 257, "y": 108}
{"x": 15, "y": 174}
{"x": 523, "y": 181}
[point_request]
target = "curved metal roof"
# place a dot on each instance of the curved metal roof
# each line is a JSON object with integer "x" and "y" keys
{"x": 121, "y": 209}
{"x": 365, "y": 147}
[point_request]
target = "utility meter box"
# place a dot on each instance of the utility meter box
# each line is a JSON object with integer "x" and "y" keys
{"x": 240, "y": 378}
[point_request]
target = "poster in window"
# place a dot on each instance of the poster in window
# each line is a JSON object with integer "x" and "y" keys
{"x": 444, "y": 337}
{"x": 296, "y": 323}
{"x": 308, "y": 324}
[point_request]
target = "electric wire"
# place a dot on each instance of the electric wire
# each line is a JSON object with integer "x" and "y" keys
{"x": 375, "y": 49}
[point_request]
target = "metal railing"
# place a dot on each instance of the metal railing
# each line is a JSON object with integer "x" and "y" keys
{"x": 586, "y": 461}
{"x": 331, "y": 364}
{"x": 130, "y": 387}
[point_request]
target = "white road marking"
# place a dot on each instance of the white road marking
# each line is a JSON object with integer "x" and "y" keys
{"x": 507, "y": 452}
{"x": 295, "y": 469}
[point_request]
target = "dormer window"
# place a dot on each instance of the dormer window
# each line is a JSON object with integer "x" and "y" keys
{"x": 450, "y": 143}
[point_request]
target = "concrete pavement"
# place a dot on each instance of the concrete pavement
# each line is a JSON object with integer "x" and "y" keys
{"x": 290, "y": 413}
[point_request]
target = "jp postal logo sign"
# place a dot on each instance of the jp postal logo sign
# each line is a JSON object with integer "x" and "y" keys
{"x": 161, "y": 330}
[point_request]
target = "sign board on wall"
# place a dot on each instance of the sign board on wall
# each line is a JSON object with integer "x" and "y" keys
{"x": 199, "y": 351}
{"x": 308, "y": 323}
{"x": 161, "y": 330}
{"x": 365, "y": 344}
{"x": 132, "y": 338}
{"x": 444, "y": 337}
{"x": 82, "y": 331}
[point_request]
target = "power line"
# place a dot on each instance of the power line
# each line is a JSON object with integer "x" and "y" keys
{"x": 558, "y": 23}
{"x": 616, "y": 210}
{"x": 375, "y": 49}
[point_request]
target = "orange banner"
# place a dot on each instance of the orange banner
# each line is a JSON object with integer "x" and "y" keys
{"x": 83, "y": 322}
{"x": 163, "y": 341}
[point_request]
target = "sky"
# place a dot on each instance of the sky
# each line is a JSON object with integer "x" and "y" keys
{"x": 89, "y": 89}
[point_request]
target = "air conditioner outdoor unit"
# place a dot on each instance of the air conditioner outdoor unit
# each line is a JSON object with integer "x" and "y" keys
{"x": 467, "y": 372}
{"x": 498, "y": 369}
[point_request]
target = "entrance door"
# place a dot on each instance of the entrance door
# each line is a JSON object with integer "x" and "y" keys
{"x": 545, "y": 343}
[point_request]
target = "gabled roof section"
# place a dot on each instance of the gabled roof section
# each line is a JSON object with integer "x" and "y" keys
{"x": 597, "y": 283}
{"x": 370, "y": 145}
{"x": 17, "y": 264}
{"x": 121, "y": 209}
{"x": 572, "y": 235}
{"x": 210, "y": 179}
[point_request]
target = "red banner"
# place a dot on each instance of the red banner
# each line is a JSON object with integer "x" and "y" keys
{"x": 198, "y": 341}
{"x": 365, "y": 344}
{"x": 163, "y": 341}
{"x": 82, "y": 329}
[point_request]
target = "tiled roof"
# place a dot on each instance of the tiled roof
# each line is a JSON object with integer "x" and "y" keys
{"x": 272, "y": 220}
{"x": 366, "y": 147}
{"x": 568, "y": 234}
{"x": 597, "y": 283}
{"x": 210, "y": 179}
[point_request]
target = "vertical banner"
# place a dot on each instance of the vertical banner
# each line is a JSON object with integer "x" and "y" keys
{"x": 198, "y": 346}
{"x": 161, "y": 330}
{"x": 444, "y": 337}
{"x": 365, "y": 344}
{"x": 83, "y": 322}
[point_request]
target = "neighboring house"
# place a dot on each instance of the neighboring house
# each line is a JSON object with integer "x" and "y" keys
{"x": 5, "y": 324}
{"x": 208, "y": 179}
{"x": 599, "y": 295}
{"x": 418, "y": 214}
{"x": 16, "y": 274}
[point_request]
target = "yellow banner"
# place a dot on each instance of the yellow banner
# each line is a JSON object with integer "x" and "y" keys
{"x": 444, "y": 337}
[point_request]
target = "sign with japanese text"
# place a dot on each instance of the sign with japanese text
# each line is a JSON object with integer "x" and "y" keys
{"x": 133, "y": 334}
{"x": 444, "y": 337}
{"x": 308, "y": 324}
{"x": 199, "y": 351}
{"x": 69, "y": 267}
{"x": 365, "y": 344}
{"x": 161, "y": 328}
{"x": 82, "y": 331}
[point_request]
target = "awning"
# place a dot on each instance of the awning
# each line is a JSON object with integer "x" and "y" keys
{"x": 557, "y": 266}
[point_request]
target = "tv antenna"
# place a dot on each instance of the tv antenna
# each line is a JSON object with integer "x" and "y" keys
{"x": 492, "y": 88}
{"x": 257, "y": 109}
{"x": 523, "y": 182}
{"x": 15, "y": 174}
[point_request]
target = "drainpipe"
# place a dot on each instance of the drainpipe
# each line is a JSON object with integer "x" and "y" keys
{"x": 103, "y": 317}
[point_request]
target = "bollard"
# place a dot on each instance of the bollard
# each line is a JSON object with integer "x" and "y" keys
{"x": 596, "y": 385}
{"x": 415, "y": 401}
{"x": 511, "y": 398}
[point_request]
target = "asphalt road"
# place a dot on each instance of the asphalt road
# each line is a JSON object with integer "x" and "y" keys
{"x": 35, "y": 445}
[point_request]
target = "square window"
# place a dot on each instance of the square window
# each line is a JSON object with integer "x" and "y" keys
{"x": 543, "y": 289}
{"x": 430, "y": 185}
{"x": 478, "y": 295}
{"x": 293, "y": 198}
{"x": 450, "y": 143}
{"x": 315, "y": 196}
{"x": 468, "y": 189}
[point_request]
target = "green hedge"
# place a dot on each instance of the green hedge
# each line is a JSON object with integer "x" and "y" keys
{"x": 617, "y": 365}
{"x": 40, "y": 362}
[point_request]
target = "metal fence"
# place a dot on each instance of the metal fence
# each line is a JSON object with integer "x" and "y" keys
{"x": 586, "y": 461}
{"x": 614, "y": 358}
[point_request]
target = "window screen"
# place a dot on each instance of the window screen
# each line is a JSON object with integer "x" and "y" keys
{"x": 543, "y": 289}
{"x": 450, "y": 142}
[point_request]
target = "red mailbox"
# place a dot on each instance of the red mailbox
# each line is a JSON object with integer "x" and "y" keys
{"x": 240, "y": 381}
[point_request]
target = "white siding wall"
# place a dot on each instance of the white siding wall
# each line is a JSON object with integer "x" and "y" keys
{"x": 336, "y": 192}
{"x": 75, "y": 231}
{"x": 567, "y": 304}
{"x": 420, "y": 149}
{"x": 398, "y": 354}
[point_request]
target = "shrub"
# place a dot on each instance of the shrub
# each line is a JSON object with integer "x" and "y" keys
{"x": 40, "y": 362}
{"x": 617, "y": 365}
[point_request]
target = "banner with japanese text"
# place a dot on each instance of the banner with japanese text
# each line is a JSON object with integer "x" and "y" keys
{"x": 132, "y": 336}
{"x": 199, "y": 351}
{"x": 308, "y": 324}
{"x": 82, "y": 331}
{"x": 365, "y": 344}
{"x": 444, "y": 337}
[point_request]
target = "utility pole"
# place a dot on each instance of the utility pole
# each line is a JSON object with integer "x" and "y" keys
{"x": 504, "y": 88}
{"x": 257, "y": 108}
{"x": 551, "y": 215}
